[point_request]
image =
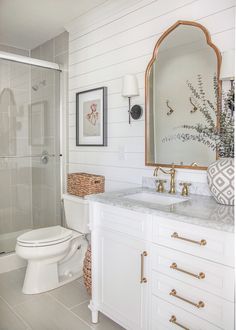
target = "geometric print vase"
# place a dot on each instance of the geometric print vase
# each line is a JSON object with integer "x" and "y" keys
{"x": 220, "y": 178}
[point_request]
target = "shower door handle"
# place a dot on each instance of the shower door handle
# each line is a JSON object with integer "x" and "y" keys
{"x": 45, "y": 157}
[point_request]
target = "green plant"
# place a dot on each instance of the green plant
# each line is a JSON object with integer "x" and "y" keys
{"x": 218, "y": 131}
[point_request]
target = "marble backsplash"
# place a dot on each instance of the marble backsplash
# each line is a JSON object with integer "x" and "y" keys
{"x": 198, "y": 188}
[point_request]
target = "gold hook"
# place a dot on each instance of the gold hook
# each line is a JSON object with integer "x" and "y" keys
{"x": 171, "y": 110}
{"x": 194, "y": 106}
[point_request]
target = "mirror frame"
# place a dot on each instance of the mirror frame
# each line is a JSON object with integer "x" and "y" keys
{"x": 147, "y": 75}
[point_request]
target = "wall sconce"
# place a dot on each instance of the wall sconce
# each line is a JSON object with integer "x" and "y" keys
{"x": 130, "y": 89}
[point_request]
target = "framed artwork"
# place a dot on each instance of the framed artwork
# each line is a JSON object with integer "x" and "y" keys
{"x": 91, "y": 117}
{"x": 37, "y": 123}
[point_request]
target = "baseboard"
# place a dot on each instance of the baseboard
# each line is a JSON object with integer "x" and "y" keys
{"x": 10, "y": 261}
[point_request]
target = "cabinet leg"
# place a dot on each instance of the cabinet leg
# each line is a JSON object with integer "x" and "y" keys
{"x": 94, "y": 313}
{"x": 94, "y": 316}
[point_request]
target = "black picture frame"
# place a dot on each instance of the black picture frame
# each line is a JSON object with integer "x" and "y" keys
{"x": 86, "y": 130}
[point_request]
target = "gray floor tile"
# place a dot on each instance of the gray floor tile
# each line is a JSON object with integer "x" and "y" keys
{"x": 104, "y": 323}
{"x": 70, "y": 295}
{"x": 107, "y": 324}
{"x": 11, "y": 284}
{"x": 45, "y": 313}
{"x": 80, "y": 284}
{"x": 84, "y": 312}
{"x": 8, "y": 319}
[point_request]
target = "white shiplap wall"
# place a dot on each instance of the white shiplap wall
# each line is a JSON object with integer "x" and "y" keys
{"x": 117, "y": 38}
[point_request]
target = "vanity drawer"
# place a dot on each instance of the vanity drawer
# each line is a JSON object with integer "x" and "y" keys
{"x": 198, "y": 302}
{"x": 203, "y": 242}
{"x": 163, "y": 312}
{"x": 214, "y": 278}
{"x": 125, "y": 221}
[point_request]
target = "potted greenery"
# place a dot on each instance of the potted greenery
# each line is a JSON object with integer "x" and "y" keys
{"x": 218, "y": 134}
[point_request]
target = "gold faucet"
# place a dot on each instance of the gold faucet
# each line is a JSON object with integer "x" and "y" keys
{"x": 185, "y": 190}
{"x": 160, "y": 187}
{"x": 172, "y": 172}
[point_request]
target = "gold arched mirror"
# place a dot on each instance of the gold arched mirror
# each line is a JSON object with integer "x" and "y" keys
{"x": 182, "y": 91}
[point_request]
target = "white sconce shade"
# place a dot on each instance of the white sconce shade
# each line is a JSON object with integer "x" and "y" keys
{"x": 130, "y": 86}
{"x": 129, "y": 89}
{"x": 228, "y": 65}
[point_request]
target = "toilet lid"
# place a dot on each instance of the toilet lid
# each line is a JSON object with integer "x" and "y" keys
{"x": 45, "y": 236}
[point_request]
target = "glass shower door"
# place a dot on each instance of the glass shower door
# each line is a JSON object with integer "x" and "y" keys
{"x": 29, "y": 150}
{"x": 45, "y": 141}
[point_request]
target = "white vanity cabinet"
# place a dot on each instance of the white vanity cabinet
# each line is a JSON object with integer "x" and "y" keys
{"x": 122, "y": 295}
{"x": 155, "y": 273}
{"x": 120, "y": 265}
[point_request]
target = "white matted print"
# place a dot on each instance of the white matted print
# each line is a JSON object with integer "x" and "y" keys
{"x": 91, "y": 115}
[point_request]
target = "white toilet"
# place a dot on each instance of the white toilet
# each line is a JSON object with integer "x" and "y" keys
{"x": 55, "y": 254}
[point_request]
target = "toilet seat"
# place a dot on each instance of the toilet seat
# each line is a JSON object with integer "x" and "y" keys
{"x": 45, "y": 236}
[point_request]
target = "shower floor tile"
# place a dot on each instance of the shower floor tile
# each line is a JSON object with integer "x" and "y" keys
{"x": 60, "y": 309}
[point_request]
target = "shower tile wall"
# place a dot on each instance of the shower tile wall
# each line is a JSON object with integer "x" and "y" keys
{"x": 15, "y": 173}
{"x": 46, "y": 191}
{"x": 14, "y": 50}
{"x": 29, "y": 190}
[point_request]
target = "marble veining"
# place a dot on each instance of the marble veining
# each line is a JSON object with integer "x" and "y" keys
{"x": 197, "y": 210}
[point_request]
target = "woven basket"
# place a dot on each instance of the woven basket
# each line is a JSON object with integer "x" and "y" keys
{"x": 81, "y": 184}
{"x": 87, "y": 271}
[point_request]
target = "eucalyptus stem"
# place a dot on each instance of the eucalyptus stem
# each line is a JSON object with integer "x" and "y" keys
{"x": 216, "y": 138}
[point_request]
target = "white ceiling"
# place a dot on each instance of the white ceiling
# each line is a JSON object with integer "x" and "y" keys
{"x": 29, "y": 23}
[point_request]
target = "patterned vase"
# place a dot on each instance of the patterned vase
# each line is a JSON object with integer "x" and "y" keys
{"x": 220, "y": 177}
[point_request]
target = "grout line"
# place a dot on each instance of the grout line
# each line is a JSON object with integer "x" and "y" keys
{"x": 29, "y": 299}
{"x": 83, "y": 302}
{"x": 82, "y": 320}
{"x": 68, "y": 309}
{"x": 18, "y": 315}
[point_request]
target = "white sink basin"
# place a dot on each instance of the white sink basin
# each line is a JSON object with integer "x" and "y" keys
{"x": 156, "y": 198}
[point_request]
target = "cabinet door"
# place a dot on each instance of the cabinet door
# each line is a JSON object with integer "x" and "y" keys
{"x": 123, "y": 279}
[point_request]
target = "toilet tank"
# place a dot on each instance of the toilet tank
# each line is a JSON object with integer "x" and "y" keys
{"x": 76, "y": 213}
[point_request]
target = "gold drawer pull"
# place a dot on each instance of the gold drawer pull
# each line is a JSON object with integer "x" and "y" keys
{"x": 143, "y": 279}
{"x": 200, "y": 304}
{"x": 173, "y": 319}
{"x": 202, "y": 242}
{"x": 200, "y": 276}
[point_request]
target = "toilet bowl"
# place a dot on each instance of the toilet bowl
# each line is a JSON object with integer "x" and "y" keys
{"x": 55, "y": 254}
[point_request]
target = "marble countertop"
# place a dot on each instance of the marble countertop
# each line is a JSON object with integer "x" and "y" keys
{"x": 196, "y": 209}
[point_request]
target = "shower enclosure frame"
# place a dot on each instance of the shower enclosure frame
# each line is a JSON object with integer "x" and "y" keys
{"x": 29, "y": 60}
{"x": 10, "y": 261}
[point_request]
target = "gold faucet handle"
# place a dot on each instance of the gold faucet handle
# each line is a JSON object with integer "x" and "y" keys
{"x": 155, "y": 172}
{"x": 185, "y": 190}
{"x": 160, "y": 187}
